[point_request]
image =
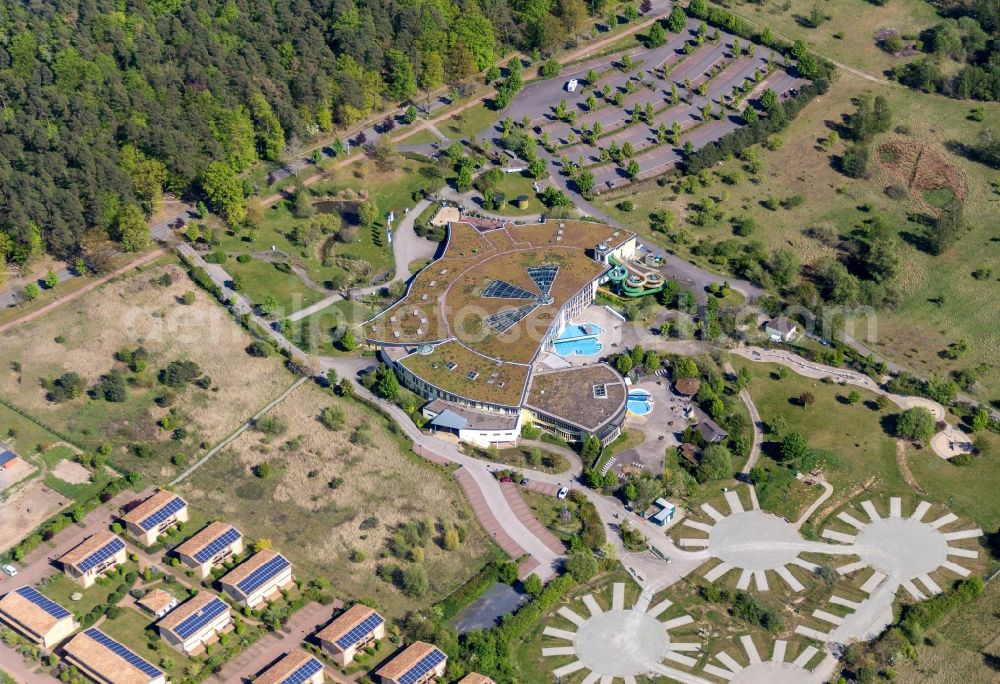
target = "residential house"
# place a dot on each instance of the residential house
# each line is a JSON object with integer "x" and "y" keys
{"x": 419, "y": 663}
{"x": 35, "y": 617}
{"x": 781, "y": 329}
{"x": 351, "y": 631}
{"x": 711, "y": 432}
{"x": 476, "y": 678}
{"x": 157, "y": 602}
{"x": 154, "y": 516}
{"x": 106, "y": 661}
{"x": 93, "y": 556}
{"x": 214, "y": 544}
{"x": 297, "y": 667}
{"x": 259, "y": 578}
{"x": 196, "y": 622}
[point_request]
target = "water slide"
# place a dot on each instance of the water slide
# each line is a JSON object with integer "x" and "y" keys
{"x": 632, "y": 281}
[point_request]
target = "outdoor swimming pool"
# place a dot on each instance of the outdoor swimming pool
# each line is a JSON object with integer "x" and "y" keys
{"x": 640, "y": 402}
{"x": 578, "y": 339}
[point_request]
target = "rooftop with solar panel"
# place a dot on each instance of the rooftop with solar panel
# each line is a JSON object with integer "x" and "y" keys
{"x": 350, "y": 631}
{"x": 104, "y": 659}
{"x": 213, "y": 544}
{"x": 418, "y": 663}
{"x": 153, "y": 516}
{"x": 297, "y": 667}
{"x": 473, "y": 324}
{"x": 36, "y": 617}
{"x": 92, "y": 556}
{"x": 261, "y": 576}
{"x": 196, "y": 622}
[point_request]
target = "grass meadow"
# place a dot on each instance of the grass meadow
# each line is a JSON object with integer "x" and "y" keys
{"x": 334, "y": 499}
{"x": 136, "y": 310}
{"x": 940, "y": 302}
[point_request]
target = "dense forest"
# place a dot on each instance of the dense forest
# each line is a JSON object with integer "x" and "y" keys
{"x": 106, "y": 103}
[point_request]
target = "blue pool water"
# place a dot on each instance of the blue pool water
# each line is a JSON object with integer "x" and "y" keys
{"x": 578, "y": 340}
{"x": 580, "y": 330}
{"x": 640, "y": 402}
{"x": 584, "y": 346}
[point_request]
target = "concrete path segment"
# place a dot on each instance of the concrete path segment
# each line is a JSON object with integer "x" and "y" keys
{"x": 524, "y": 513}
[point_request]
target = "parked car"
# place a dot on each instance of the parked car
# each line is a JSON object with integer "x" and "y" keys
{"x": 562, "y": 493}
{"x": 10, "y": 570}
{"x": 506, "y": 479}
{"x": 524, "y": 482}
{"x": 572, "y": 84}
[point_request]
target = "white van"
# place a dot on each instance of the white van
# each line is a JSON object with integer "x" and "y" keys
{"x": 572, "y": 84}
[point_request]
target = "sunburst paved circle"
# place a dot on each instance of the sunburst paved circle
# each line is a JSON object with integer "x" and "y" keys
{"x": 621, "y": 642}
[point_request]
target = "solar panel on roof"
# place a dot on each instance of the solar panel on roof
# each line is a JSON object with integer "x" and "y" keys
{"x": 363, "y": 629}
{"x": 425, "y": 665}
{"x": 505, "y": 320}
{"x": 206, "y": 614}
{"x": 543, "y": 276}
{"x": 167, "y": 510}
{"x": 504, "y": 290}
{"x": 122, "y": 652}
{"x": 101, "y": 555}
{"x": 221, "y": 542}
{"x": 304, "y": 672}
{"x": 7, "y": 455}
{"x": 50, "y": 607}
{"x": 262, "y": 574}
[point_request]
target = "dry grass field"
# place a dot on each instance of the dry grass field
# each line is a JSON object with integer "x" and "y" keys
{"x": 940, "y": 301}
{"x": 964, "y": 648}
{"x": 134, "y": 311}
{"x": 328, "y": 497}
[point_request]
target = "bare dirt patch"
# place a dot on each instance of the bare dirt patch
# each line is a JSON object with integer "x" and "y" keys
{"x": 71, "y": 472}
{"x": 334, "y": 499}
{"x": 25, "y": 510}
{"x": 919, "y": 168}
{"x": 15, "y": 473}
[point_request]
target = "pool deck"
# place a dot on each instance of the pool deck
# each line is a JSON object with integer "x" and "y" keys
{"x": 610, "y": 339}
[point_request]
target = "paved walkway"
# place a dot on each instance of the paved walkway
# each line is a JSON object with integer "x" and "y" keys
{"x": 273, "y": 645}
{"x": 93, "y": 285}
{"x": 13, "y": 664}
{"x": 811, "y": 369}
{"x": 527, "y": 517}
{"x": 755, "y": 421}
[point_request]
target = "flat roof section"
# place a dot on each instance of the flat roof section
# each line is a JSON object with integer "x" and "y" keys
{"x": 445, "y": 300}
{"x": 568, "y": 394}
{"x": 457, "y": 369}
{"x": 473, "y": 419}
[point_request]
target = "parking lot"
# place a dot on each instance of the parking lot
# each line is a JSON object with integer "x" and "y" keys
{"x": 731, "y": 80}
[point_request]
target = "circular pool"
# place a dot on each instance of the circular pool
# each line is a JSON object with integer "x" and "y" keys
{"x": 640, "y": 402}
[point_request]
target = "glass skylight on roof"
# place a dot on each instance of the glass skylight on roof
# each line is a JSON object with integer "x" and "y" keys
{"x": 501, "y": 289}
{"x": 505, "y": 320}
{"x": 543, "y": 276}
